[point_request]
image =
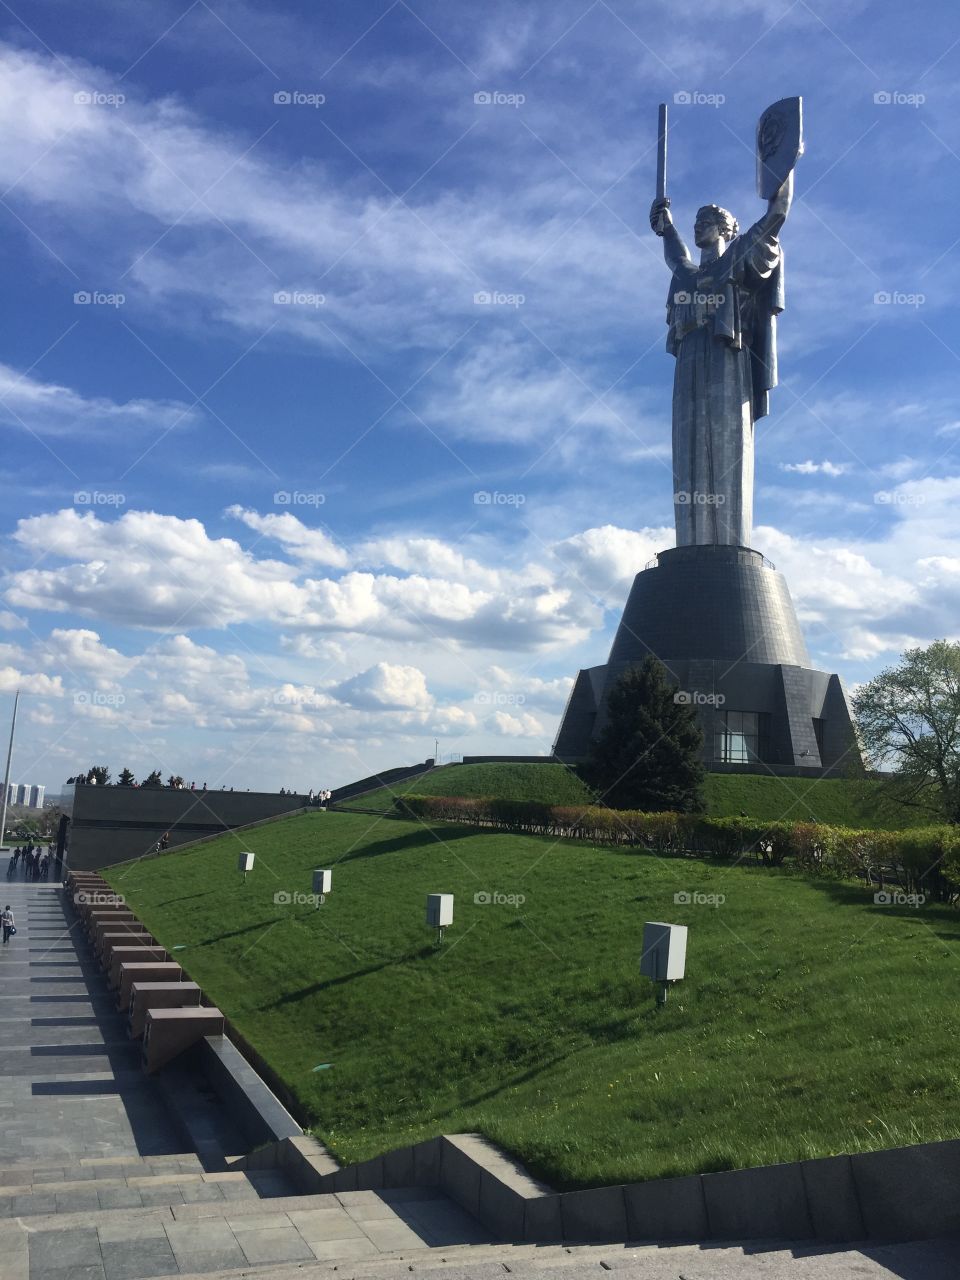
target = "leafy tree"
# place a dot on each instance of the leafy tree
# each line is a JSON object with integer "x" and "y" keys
{"x": 126, "y": 779}
{"x": 99, "y": 774}
{"x": 153, "y": 780}
{"x": 908, "y": 718}
{"x": 647, "y": 756}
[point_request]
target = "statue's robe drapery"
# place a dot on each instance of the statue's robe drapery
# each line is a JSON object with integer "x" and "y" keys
{"x": 722, "y": 319}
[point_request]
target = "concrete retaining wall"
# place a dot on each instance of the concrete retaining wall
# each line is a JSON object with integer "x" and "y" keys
{"x": 115, "y": 824}
{"x": 908, "y": 1193}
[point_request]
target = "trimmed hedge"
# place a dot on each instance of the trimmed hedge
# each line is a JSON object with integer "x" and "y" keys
{"x": 919, "y": 860}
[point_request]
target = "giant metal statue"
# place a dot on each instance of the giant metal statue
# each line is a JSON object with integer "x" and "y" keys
{"x": 712, "y": 609}
{"x": 722, "y": 317}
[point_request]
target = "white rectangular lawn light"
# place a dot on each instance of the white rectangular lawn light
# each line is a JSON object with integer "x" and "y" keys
{"x": 439, "y": 913}
{"x": 245, "y": 863}
{"x": 322, "y": 880}
{"x": 664, "y": 954}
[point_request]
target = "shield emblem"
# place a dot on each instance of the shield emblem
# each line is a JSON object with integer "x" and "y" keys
{"x": 779, "y": 144}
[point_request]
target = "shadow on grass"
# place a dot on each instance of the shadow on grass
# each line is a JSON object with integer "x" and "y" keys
{"x": 168, "y": 902}
{"x": 233, "y": 933}
{"x": 511, "y": 1082}
{"x": 412, "y": 840}
{"x": 344, "y": 979}
{"x": 931, "y": 914}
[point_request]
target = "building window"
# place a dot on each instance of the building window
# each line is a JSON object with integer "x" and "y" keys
{"x": 743, "y": 737}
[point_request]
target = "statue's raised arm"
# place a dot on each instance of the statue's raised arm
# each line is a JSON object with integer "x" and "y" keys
{"x": 661, "y": 222}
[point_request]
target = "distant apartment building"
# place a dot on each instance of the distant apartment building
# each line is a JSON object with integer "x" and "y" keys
{"x": 25, "y": 793}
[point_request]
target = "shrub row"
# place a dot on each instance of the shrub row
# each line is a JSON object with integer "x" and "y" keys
{"x": 920, "y": 860}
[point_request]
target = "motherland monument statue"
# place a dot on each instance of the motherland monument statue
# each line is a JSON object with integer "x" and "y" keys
{"x": 712, "y": 609}
{"x": 722, "y": 330}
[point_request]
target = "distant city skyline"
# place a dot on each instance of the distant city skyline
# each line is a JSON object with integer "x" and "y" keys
{"x": 333, "y": 361}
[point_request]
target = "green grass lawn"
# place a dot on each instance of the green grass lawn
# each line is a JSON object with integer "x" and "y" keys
{"x": 811, "y": 1021}
{"x": 550, "y": 783}
{"x": 844, "y": 802}
{"x": 841, "y": 801}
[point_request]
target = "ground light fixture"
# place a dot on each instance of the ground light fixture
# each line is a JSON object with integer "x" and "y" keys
{"x": 439, "y": 913}
{"x": 322, "y": 880}
{"x": 664, "y": 955}
{"x": 245, "y": 864}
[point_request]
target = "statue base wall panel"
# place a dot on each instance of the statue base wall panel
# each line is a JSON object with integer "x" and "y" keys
{"x": 721, "y": 621}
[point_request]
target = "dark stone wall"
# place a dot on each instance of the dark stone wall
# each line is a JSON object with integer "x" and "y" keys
{"x": 725, "y": 603}
{"x": 114, "y": 824}
{"x": 721, "y": 621}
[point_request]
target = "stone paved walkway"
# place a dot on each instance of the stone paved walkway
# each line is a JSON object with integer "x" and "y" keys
{"x": 94, "y": 1183}
{"x": 72, "y": 1084}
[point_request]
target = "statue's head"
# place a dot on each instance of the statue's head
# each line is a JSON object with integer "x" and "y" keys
{"x": 714, "y": 224}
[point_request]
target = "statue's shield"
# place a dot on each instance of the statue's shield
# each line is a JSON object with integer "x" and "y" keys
{"x": 779, "y": 144}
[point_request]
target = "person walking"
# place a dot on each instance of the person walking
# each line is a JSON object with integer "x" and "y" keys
{"x": 8, "y": 923}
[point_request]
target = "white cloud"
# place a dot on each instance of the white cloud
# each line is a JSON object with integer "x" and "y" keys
{"x": 150, "y": 570}
{"x": 48, "y": 409}
{"x": 386, "y": 687}
{"x": 604, "y": 561}
{"x": 311, "y": 546}
{"x": 523, "y": 725}
{"x": 809, "y": 468}
{"x": 30, "y": 682}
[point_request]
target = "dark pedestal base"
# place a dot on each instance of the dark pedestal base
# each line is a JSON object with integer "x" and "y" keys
{"x": 721, "y": 621}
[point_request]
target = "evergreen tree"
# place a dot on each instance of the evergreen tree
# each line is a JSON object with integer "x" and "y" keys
{"x": 126, "y": 778}
{"x": 153, "y": 780}
{"x": 647, "y": 756}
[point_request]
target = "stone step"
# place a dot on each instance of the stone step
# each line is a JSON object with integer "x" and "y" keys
{"x": 186, "y": 1161}
{"x": 171, "y": 1190}
{"x": 926, "y": 1260}
{"x": 332, "y": 1229}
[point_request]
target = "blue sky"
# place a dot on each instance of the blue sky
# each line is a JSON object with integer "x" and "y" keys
{"x": 242, "y": 540}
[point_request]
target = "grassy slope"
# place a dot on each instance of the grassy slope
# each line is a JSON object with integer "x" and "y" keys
{"x": 551, "y": 783}
{"x": 811, "y": 1022}
{"x": 846, "y": 802}
{"x": 841, "y": 801}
